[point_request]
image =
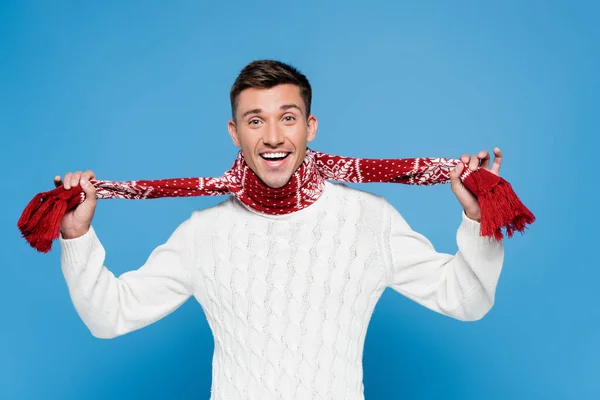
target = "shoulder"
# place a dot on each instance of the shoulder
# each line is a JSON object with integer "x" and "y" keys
{"x": 363, "y": 196}
{"x": 202, "y": 219}
{"x": 213, "y": 212}
{"x": 369, "y": 208}
{"x": 376, "y": 207}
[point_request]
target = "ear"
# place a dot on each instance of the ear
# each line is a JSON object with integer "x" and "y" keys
{"x": 232, "y": 128}
{"x": 313, "y": 125}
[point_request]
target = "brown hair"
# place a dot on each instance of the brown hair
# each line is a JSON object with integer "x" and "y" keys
{"x": 265, "y": 74}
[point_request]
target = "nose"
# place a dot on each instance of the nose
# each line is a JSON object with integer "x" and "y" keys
{"x": 273, "y": 135}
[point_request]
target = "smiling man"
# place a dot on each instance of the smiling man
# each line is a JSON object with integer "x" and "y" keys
{"x": 272, "y": 123}
{"x": 288, "y": 293}
{"x": 272, "y": 129}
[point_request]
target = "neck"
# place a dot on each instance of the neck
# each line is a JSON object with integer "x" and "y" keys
{"x": 302, "y": 189}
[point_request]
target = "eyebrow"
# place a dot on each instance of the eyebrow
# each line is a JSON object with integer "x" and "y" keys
{"x": 283, "y": 107}
{"x": 288, "y": 106}
{"x": 254, "y": 111}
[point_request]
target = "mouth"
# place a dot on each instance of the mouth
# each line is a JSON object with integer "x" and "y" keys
{"x": 275, "y": 159}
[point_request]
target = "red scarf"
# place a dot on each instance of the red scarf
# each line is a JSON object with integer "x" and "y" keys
{"x": 500, "y": 206}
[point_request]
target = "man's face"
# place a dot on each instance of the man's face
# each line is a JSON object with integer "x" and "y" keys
{"x": 272, "y": 129}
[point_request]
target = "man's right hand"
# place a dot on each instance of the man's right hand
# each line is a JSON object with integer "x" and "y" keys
{"x": 77, "y": 222}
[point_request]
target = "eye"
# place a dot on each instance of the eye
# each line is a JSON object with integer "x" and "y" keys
{"x": 254, "y": 121}
{"x": 289, "y": 118}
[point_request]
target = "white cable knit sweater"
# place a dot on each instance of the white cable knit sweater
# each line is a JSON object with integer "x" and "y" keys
{"x": 288, "y": 298}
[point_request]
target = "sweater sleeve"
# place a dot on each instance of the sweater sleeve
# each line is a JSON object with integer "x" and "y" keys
{"x": 461, "y": 286}
{"x": 111, "y": 306}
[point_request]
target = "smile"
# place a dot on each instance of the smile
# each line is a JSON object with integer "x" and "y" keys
{"x": 274, "y": 157}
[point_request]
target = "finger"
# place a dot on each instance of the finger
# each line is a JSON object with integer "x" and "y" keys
{"x": 75, "y": 178}
{"x": 474, "y": 163}
{"x": 497, "y": 161}
{"x": 465, "y": 158}
{"x": 57, "y": 181}
{"x": 484, "y": 157}
{"x": 67, "y": 180}
{"x": 89, "y": 175}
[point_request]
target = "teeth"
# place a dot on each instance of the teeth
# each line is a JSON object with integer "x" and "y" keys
{"x": 274, "y": 155}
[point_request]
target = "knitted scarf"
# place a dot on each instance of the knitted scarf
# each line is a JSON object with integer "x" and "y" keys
{"x": 500, "y": 207}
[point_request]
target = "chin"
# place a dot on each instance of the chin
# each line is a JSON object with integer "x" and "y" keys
{"x": 276, "y": 181}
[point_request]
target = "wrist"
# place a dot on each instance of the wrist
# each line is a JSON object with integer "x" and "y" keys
{"x": 73, "y": 233}
{"x": 474, "y": 217}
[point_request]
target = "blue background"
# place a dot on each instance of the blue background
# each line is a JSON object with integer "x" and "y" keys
{"x": 139, "y": 90}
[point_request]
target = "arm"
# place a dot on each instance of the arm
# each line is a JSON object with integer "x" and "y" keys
{"x": 461, "y": 286}
{"x": 111, "y": 306}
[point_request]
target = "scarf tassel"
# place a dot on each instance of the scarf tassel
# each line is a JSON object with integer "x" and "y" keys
{"x": 500, "y": 206}
{"x": 40, "y": 221}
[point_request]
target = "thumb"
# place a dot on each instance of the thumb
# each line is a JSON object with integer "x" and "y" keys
{"x": 90, "y": 192}
{"x": 455, "y": 175}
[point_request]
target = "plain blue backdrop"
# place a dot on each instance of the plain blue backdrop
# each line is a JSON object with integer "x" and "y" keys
{"x": 139, "y": 90}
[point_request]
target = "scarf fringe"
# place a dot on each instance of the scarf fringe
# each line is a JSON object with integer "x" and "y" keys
{"x": 500, "y": 206}
{"x": 40, "y": 222}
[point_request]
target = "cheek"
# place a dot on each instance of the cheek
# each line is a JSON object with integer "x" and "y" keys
{"x": 298, "y": 132}
{"x": 248, "y": 139}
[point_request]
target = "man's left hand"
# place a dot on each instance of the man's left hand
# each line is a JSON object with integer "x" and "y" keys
{"x": 465, "y": 197}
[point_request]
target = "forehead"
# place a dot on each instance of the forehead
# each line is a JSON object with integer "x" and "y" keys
{"x": 269, "y": 100}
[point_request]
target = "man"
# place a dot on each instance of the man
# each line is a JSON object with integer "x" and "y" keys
{"x": 288, "y": 297}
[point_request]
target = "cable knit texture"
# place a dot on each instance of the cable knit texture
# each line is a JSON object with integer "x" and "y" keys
{"x": 288, "y": 297}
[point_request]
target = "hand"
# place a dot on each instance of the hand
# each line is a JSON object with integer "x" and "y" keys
{"x": 77, "y": 222}
{"x": 465, "y": 197}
